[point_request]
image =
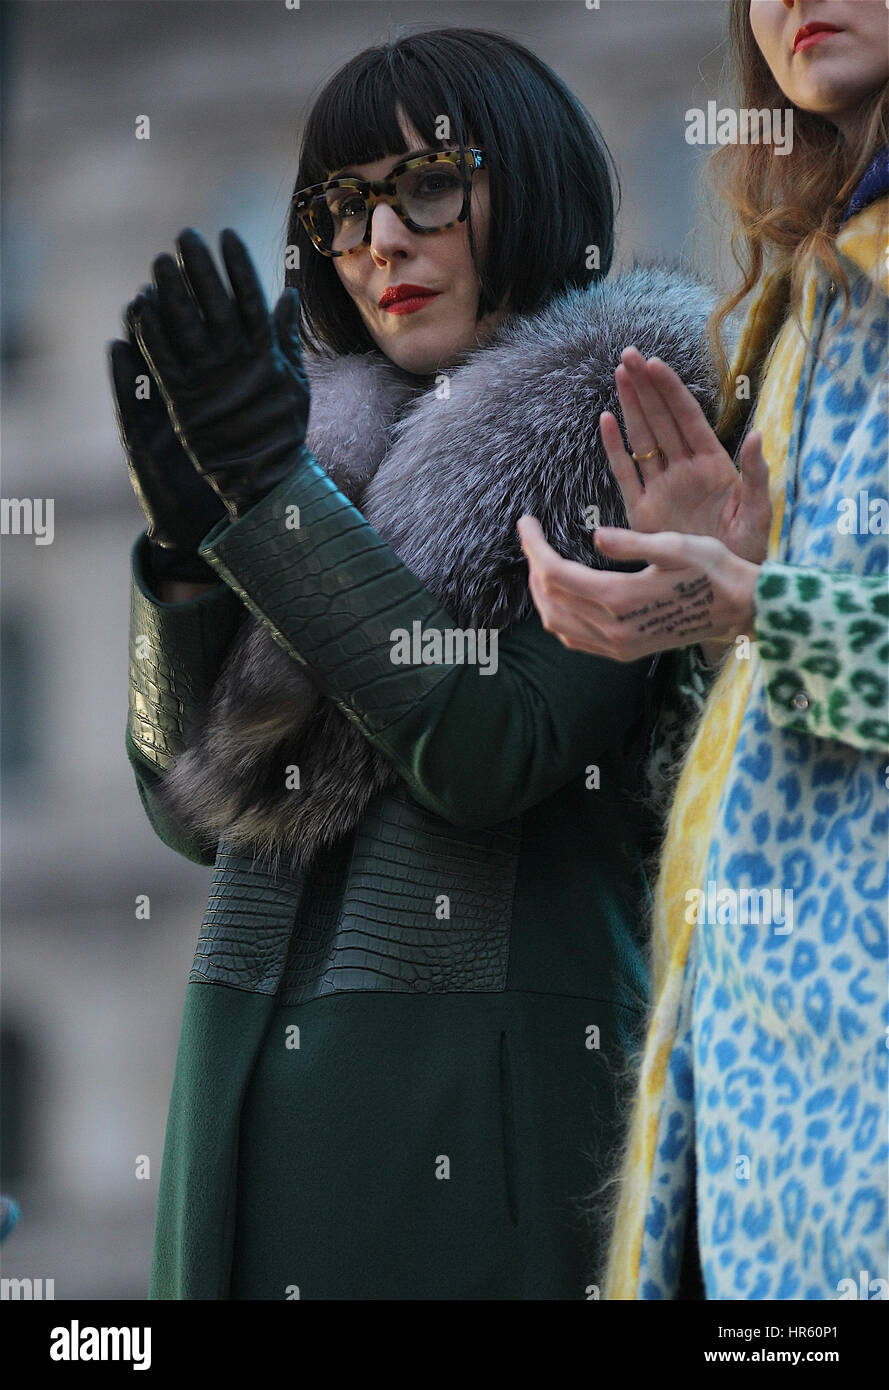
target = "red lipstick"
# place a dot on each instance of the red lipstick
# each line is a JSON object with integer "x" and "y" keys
{"x": 811, "y": 34}
{"x": 406, "y": 299}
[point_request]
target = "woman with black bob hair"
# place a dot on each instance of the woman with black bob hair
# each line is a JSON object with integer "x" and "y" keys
{"x": 549, "y": 173}
{"x": 421, "y": 966}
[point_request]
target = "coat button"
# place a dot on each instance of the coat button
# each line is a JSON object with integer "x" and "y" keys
{"x": 801, "y": 701}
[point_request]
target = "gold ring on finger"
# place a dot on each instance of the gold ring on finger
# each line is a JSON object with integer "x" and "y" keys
{"x": 643, "y": 458}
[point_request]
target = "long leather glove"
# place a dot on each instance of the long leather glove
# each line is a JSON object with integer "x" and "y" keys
{"x": 231, "y": 373}
{"x": 180, "y": 509}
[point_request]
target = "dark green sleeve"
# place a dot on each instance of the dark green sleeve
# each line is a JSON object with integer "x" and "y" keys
{"x": 474, "y": 747}
{"x": 176, "y": 651}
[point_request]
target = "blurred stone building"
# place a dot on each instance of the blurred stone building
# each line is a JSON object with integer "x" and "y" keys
{"x": 92, "y": 995}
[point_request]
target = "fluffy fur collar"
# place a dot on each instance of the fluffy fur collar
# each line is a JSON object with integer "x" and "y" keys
{"x": 444, "y": 483}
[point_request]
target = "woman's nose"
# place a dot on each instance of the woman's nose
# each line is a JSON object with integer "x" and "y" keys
{"x": 388, "y": 234}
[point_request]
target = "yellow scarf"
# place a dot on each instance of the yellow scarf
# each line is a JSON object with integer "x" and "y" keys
{"x": 698, "y": 792}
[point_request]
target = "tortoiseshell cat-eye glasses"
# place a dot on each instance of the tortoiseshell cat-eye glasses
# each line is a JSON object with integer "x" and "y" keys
{"x": 429, "y": 192}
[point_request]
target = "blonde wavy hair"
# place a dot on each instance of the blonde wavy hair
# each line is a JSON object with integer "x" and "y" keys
{"x": 785, "y": 211}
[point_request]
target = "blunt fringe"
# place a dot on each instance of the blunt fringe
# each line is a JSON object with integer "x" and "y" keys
{"x": 553, "y": 183}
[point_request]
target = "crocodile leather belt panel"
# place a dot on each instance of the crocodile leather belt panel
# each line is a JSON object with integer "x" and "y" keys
{"x": 391, "y": 931}
{"x": 409, "y": 903}
{"x": 247, "y": 925}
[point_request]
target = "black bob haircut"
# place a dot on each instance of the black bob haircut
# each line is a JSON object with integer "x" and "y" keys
{"x": 552, "y": 180}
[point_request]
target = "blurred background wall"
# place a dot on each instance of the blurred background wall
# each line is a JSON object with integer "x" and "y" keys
{"x": 91, "y": 995}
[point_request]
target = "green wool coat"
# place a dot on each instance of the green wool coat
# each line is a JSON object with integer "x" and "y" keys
{"x": 398, "y": 1072}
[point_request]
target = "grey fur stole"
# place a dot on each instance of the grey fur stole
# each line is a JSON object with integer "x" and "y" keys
{"x": 443, "y": 481}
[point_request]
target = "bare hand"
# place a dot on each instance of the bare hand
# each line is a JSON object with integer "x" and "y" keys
{"x": 691, "y": 484}
{"x": 693, "y": 590}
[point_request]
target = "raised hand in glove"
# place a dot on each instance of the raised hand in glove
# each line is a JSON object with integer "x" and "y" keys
{"x": 179, "y": 507}
{"x": 231, "y": 373}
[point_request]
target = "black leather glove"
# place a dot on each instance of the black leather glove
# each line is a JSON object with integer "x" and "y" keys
{"x": 179, "y": 507}
{"x": 231, "y": 373}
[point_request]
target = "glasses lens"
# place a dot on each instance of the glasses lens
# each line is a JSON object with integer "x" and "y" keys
{"x": 432, "y": 194}
{"x": 339, "y": 217}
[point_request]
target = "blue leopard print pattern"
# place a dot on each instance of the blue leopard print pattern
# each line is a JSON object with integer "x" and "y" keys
{"x": 779, "y": 1064}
